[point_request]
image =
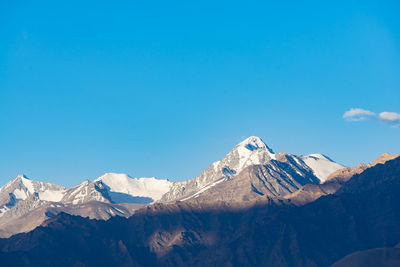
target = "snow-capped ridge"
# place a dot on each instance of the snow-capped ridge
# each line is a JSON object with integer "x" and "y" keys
{"x": 253, "y": 143}
{"x": 22, "y": 188}
{"x": 320, "y": 156}
{"x": 321, "y": 165}
{"x": 21, "y": 175}
{"x": 249, "y": 152}
{"x": 122, "y": 187}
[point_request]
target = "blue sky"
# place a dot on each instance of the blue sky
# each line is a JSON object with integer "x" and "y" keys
{"x": 164, "y": 88}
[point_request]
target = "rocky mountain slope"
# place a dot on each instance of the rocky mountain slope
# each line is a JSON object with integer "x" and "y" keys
{"x": 249, "y": 171}
{"x": 363, "y": 214}
{"x": 335, "y": 180}
{"x": 21, "y": 188}
{"x": 25, "y": 204}
{"x": 252, "y": 169}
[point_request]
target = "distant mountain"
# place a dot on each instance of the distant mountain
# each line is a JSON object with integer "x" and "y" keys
{"x": 25, "y": 204}
{"x": 249, "y": 171}
{"x": 123, "y": 189}
{"x": 21, "y": 188}
{"x": 363, "y": 214}
{"x": 252, "y": 169}
{"x": 321, "y": 165}
{"x": 335, "y": 180}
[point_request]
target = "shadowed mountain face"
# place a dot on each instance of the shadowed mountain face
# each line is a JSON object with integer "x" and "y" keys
{"x": 363, "y": 214}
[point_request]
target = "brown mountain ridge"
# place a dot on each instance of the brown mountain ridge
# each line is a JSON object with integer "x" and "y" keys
{"x": 363, "y": 214}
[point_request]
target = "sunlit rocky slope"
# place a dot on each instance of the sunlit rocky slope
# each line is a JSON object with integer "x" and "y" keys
{"x": 247, "y": 172}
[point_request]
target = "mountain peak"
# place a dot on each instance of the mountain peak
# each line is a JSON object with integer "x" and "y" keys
{"x": 253, "y": 143}
{"x": 121, "y": 187}
{"x": 113, "y": 175}
{"x": 384, "y": 157}
{"x": 21, "y": 175}
{"x": 20, "y": 178}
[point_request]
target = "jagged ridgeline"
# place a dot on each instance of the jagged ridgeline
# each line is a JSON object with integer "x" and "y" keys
{"x": 356, "y": 224}
{"x": 247, "y": 172}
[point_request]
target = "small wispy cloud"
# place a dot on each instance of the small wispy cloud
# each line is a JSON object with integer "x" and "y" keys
{"x": 358, "y": 114}
{"x": 392, "y": 118}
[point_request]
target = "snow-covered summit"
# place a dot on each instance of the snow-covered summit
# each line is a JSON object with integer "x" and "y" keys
{"x": 21, "y": 188}
{"x": 321, "y": 165}
{"x": 252, "y": 152}
{"x": 21, "y": 175}
{"x": 254, "y": 142}
{"x": 122, "y": 187}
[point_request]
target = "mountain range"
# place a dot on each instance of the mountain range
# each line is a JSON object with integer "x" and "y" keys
{"x": 247, "y": 172}
{"x": 352, "y": 218}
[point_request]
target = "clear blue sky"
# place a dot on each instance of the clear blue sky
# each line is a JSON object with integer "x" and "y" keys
{"x": 164, "y": 88}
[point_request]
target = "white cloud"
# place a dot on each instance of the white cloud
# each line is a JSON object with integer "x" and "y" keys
{"x": 358, "y": 114}
{"x": 390, "y": 117}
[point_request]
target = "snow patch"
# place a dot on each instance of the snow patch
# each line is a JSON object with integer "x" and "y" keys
{"x": 28, "y": 184}
{"x": 321, "y": 165}
{"x": 20, "y": 194}
{"x": 137, "y": 187}
{"x": 51, "y": 195}
{"x": 204, "y": 189}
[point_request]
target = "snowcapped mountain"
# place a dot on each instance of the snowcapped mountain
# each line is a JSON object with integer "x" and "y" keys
{"x": 108, "y": 188}
{"x": 123, "y": 189}
{"x": 21, "y": 188}
{"x": 25, "y": 204}
{"x": 321, "y": 165}
{"x": 85, "y": 192}
{"x": 279, "y": 174}
{"x": 334, "y": 181}
{"x": 261, "y": 172}
{"x": 251, "y": 169}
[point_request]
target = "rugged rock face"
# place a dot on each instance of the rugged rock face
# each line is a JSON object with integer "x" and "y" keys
{"x": 249, "y": 171}
{"x": 385, "y": 157}
{"x": 25, "y": 204}
{"x": 363, "y": 214}
{"x": 344, "y": 174}
{"x": 311, "y": 192}
{"x": 85, "y": 192}
{"x": 252, "y": 169}
{"x": 21, "y": 188}
{"x": 274, "y": 179}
